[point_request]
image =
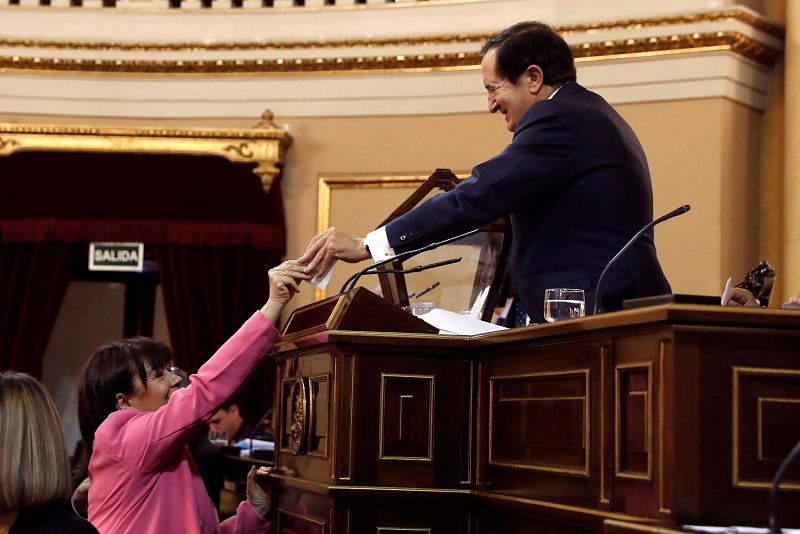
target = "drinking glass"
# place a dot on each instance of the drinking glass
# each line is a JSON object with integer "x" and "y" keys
{"x": 561, "y": 303}
{"x": 218, "y": 437}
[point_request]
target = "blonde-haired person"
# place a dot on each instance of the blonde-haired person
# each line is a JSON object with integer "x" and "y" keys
{"x": 35, "y": 479}
{"x": 137, "y": 420}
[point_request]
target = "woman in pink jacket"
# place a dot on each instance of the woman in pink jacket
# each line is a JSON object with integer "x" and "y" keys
{"x": 137, "y": 420}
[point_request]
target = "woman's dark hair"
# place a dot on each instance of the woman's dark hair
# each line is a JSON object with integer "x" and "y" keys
{"x": 532, "y": 43}
{"x": 110, "y": 371}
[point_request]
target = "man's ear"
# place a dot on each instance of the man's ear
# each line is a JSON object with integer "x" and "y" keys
{"x": 234, "y": 409}
{"x": 534, "y": 77}
{"x": 122, "y": 401}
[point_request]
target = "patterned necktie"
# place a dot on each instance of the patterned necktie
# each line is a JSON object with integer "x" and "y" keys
{"x": 520, "y": 315}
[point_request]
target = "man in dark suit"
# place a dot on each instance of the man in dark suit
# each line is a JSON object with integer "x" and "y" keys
{"x": 574, "y": 183}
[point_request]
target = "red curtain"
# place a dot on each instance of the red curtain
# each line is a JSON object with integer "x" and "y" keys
{"x": 216, "y": 230}
{"x": 33, "y": 281}
{"x": 208, "y": 293}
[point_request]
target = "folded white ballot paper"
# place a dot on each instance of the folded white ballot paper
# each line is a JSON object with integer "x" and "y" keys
{"x": 456, "y": 323}
{"x": 321, "y": 281}
{"x": 726, "y": 293}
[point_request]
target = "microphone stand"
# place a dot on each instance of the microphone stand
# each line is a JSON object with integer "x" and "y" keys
{"x": 774, "y": 516}
{"x": 417, "y": 269}
{"x": 351, "y": 282}
{"x": 255, "y": 430}
{"x": 674, "y": 213}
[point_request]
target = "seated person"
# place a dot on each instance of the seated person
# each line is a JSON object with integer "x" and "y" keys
{"x": 742, "y": 297}
{"x": 229, "y": 419}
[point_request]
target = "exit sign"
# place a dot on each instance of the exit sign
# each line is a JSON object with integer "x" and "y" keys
{"x": 116, "y": 257}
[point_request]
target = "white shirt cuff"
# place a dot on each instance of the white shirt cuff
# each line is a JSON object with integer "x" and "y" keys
{"x": 378, "y": 243}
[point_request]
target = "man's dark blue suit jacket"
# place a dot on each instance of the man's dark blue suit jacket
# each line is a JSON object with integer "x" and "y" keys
{"x": 575, "y": 185}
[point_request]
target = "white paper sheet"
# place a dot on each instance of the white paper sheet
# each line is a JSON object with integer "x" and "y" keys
{"x": 455, "y": 323}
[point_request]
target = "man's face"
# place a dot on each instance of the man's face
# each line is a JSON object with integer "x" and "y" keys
{"x": 512, "y": 99}
{"x": 228, "y": 420}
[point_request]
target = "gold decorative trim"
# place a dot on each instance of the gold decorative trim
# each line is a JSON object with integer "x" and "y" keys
{"x": 470, "y": 431}
{"x": 312, "y": 412}
{"x": 328, "y": 183}
{"x": 738, "y": 372}
{"x": 605, "y": 356}
{"x": 662, "y": 357}
{"x": 585, "y": 472}
{"x": 389, "y": 530}
{"x": 589, "y": 51}
{"x": 691, "y": 18}
{"x": 629, "y": 24}
{"x": 431, "y": 383}
{"x": 333, "y": 421}
{"x": 299, "y": 415}
{"x": 265, "y": 145}
{"x": 648, "y": 366}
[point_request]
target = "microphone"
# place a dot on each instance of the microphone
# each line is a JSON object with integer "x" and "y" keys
{"x": 774, "y": 503}
{"x": 351, "y": 282}
{"x": 674, "y": 213}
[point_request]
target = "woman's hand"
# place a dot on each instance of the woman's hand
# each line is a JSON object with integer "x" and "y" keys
{"x": 80, "y": 499}
{"x": 284, "y": 282}
{"x": 257, "y": 496}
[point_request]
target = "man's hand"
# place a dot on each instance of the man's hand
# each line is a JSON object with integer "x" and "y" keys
{"x": 330, "y": 245}
{"x": 257, "y": 496}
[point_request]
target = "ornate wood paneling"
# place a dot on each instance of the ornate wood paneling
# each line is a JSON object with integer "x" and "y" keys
{"x": 541, "y": 422}
{"x": 634, "y": 417}
{"x": 766, "y": 424}
{"x": 633, "y": 436}
{"x": 406, "y": 418}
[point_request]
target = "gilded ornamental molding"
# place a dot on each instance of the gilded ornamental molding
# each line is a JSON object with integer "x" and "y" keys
{"x": 264, "y": 145}
{"x": 735, "y": 42}
{"x": 590, "y": 49}
{"x": 696, "y": 18}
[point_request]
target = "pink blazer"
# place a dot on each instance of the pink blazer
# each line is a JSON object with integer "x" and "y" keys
{"x": 143, "y": 478}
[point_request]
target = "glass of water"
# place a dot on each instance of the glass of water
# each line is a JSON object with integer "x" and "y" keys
{"x": 560, "y": 304}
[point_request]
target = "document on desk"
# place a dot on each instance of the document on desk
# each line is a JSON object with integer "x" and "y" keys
{"x": 455, "y": 323}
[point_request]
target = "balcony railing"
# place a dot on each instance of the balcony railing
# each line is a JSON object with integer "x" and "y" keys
{"x": 199, "y": 4}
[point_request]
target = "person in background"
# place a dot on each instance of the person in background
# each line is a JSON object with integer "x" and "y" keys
{"x": 209, "y": 457}
{"x": 136, "y": 421}
{"x": 228, "y": 419}
{"x": 35, "y": 476}
{"x": 742, "y": 297}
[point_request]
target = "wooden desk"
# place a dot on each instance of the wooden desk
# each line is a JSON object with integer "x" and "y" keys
{"x": 656, "y": 416}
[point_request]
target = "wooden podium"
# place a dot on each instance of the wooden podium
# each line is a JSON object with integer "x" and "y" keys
{"x": 660, "y": 416}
